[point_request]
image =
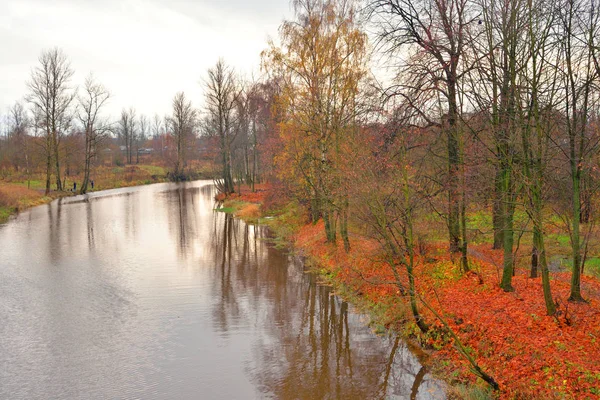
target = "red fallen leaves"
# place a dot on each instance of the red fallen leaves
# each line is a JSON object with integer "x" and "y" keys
{"x": 258, "y": 196}
{"x": 530, "y": 355}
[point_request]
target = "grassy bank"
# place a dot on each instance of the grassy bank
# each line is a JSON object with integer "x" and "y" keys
{"x": 19, "y": 192}
{"x": 529, "y": 354}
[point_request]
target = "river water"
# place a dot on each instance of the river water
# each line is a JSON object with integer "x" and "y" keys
{"x": 147, "y": 293}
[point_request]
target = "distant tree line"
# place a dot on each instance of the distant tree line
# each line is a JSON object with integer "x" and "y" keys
{"x": 58, "y": 129}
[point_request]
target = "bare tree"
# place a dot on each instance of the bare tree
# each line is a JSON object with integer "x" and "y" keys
{"x": 157, "y": 131}
{"x": 221, "y": 100}
{"x": 127, "y": 133}
{"x": 17, "y": 124}
{"x": 578, "y": 33}
{"x": 51, "y": 97}
{"x": 141, "y": 137}
{"x": 92, "y": 100}
{"x": 182, "y": 124}
{"x": 434, "y": 33}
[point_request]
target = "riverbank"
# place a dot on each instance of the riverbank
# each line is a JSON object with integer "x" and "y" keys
{"x": 529, "y": 354}
{"x": 20, "y": 192}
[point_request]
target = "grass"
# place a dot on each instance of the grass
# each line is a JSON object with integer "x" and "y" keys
{"x": 229, "y": 210}
{"x": 5, "y": 213}
{"x": 470, "y": 392}
{"x": 15, "y": 197}
{"x": 560, "y": 239}
{"x": 558, "y": 244}
{"x": 33, "y": 184}
{"x": 154, "y": 169}
{"x": 592, "y": 265}
{"x": 250, "y": 213}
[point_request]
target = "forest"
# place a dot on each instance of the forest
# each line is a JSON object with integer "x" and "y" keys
{"x": 441, "y": 158}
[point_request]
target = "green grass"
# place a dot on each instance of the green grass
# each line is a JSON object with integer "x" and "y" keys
{"x": 153, "y": 169}
{"x": 471, "y": 392}
{"x": 5, "y": 213}
{"x": 592, "y": 265}
{"x": 33, "y": 184}
{"x": 480, "y": 220}
{"x": 560, "y": 238}
{"x": 228, "y": 210}
{"x": 284, "y": 222}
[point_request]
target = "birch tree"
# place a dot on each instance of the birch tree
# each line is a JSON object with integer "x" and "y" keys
{"x": 322, "y": 64}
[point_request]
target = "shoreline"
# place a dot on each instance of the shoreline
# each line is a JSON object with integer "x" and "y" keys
{"x": 16, "y": 197}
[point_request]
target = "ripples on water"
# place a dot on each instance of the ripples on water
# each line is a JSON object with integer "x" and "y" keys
{"x": 148, "y": 293}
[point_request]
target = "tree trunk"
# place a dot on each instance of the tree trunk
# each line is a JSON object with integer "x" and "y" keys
{"x": 409, "y": 238}
{"x": 464, "y": 260}
{"x": 59, "y": 185}
{"x": 344, "y": 225}
{"x": 88, "y": 157}
{"x": 534, "y": 258}
{"x": 497, "y": 211}
{"x": 48, "y": 163}
{"x": 507, "y": 230}
{"x": 453, "y": 197}
{"x": 576, "y": 202}
{"x": 330, "y": 231}
{"x": 539, "y": 245}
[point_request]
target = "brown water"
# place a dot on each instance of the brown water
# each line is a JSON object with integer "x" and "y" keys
{"x": 148, "y": 293}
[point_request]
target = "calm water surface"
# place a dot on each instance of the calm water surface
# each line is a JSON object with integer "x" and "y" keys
{"x": 148, "y": 293}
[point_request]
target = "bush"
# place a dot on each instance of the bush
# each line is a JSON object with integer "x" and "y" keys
{"x": 249, "y": 212}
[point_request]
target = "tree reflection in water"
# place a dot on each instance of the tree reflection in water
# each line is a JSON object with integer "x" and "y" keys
{"x": 310, "y": 345}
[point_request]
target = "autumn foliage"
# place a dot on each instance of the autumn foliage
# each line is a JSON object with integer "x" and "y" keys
{"x": 531, "y": 355}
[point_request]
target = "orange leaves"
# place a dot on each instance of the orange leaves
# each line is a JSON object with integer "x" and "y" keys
{"x": 530, "y": 354}
{"x": 540, "y": 352}
{"x": 258, "y": 196}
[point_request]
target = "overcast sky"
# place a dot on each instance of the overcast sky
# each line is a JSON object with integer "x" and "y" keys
{"x": 144, "y": 51}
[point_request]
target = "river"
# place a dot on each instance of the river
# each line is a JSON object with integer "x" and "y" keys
{"x": 148, "y": 293}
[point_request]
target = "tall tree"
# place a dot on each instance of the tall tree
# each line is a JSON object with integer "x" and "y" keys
{"x": 578, "y": 34}
{"x": 127, "y": 132}
{"x": 322, "y": 64}
{"x": 158, "y": 132}
{"x": 503, "y": 44}
{"x": 435, "y": 33}
{"x": 50, "y": 95}
{"x": 182, "y": 121}
{"x": 222, "y": 91}
{"x": 91, "y": 101}
{"x": 537, "y": 78}
{"x": 141, "y": 136}
{"x": 17, "y": 125}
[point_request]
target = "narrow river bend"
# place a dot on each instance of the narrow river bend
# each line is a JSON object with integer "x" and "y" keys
{"x": 147, "y": 293}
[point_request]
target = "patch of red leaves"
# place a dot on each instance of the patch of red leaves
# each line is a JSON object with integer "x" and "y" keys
{"x": 530, "y": 354}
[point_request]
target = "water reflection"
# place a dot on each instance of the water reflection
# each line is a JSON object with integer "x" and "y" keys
{"x": 149, "y": 293}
